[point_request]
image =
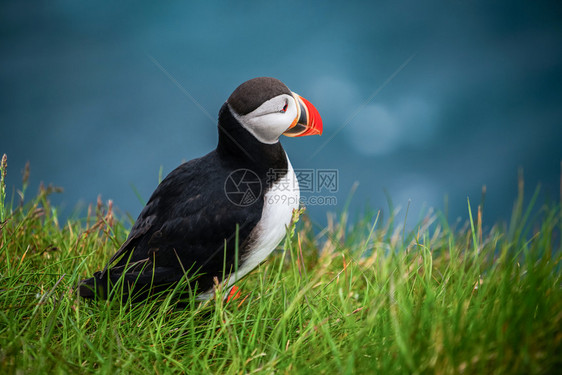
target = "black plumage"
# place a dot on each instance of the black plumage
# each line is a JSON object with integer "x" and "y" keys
{"x": 189, "y": 220}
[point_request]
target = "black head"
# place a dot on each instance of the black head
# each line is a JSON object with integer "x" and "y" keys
{"x": 266, "y": 108}
{"x": 253, "y": 93}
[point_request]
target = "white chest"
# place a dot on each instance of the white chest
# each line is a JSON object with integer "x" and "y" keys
{"x": 281, "y": 199}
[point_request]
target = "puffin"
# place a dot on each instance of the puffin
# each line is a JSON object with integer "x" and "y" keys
{"x": 214, "y": 219}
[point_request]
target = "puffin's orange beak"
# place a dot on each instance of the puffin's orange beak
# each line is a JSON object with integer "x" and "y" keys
{"x": 308, "y": 120}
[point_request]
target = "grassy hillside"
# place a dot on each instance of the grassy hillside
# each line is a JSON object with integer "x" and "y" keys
{"x": 359, "y": 297}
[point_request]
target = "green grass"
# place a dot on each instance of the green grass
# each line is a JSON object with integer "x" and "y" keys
{"x": 361, "y": 297}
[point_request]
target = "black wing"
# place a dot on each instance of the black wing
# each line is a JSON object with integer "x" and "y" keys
{"x": 188, "y": 226}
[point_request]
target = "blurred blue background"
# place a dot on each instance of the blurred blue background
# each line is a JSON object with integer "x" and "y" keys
{"x": 425, "y": 100}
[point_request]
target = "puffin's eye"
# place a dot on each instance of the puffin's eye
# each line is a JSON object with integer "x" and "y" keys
{"x": 285, "y": 107}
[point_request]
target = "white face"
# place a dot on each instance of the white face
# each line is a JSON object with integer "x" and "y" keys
{"x": 271, "y": 119}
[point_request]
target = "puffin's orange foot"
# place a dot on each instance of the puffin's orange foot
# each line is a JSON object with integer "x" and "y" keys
{"x": 233, "y": 294}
